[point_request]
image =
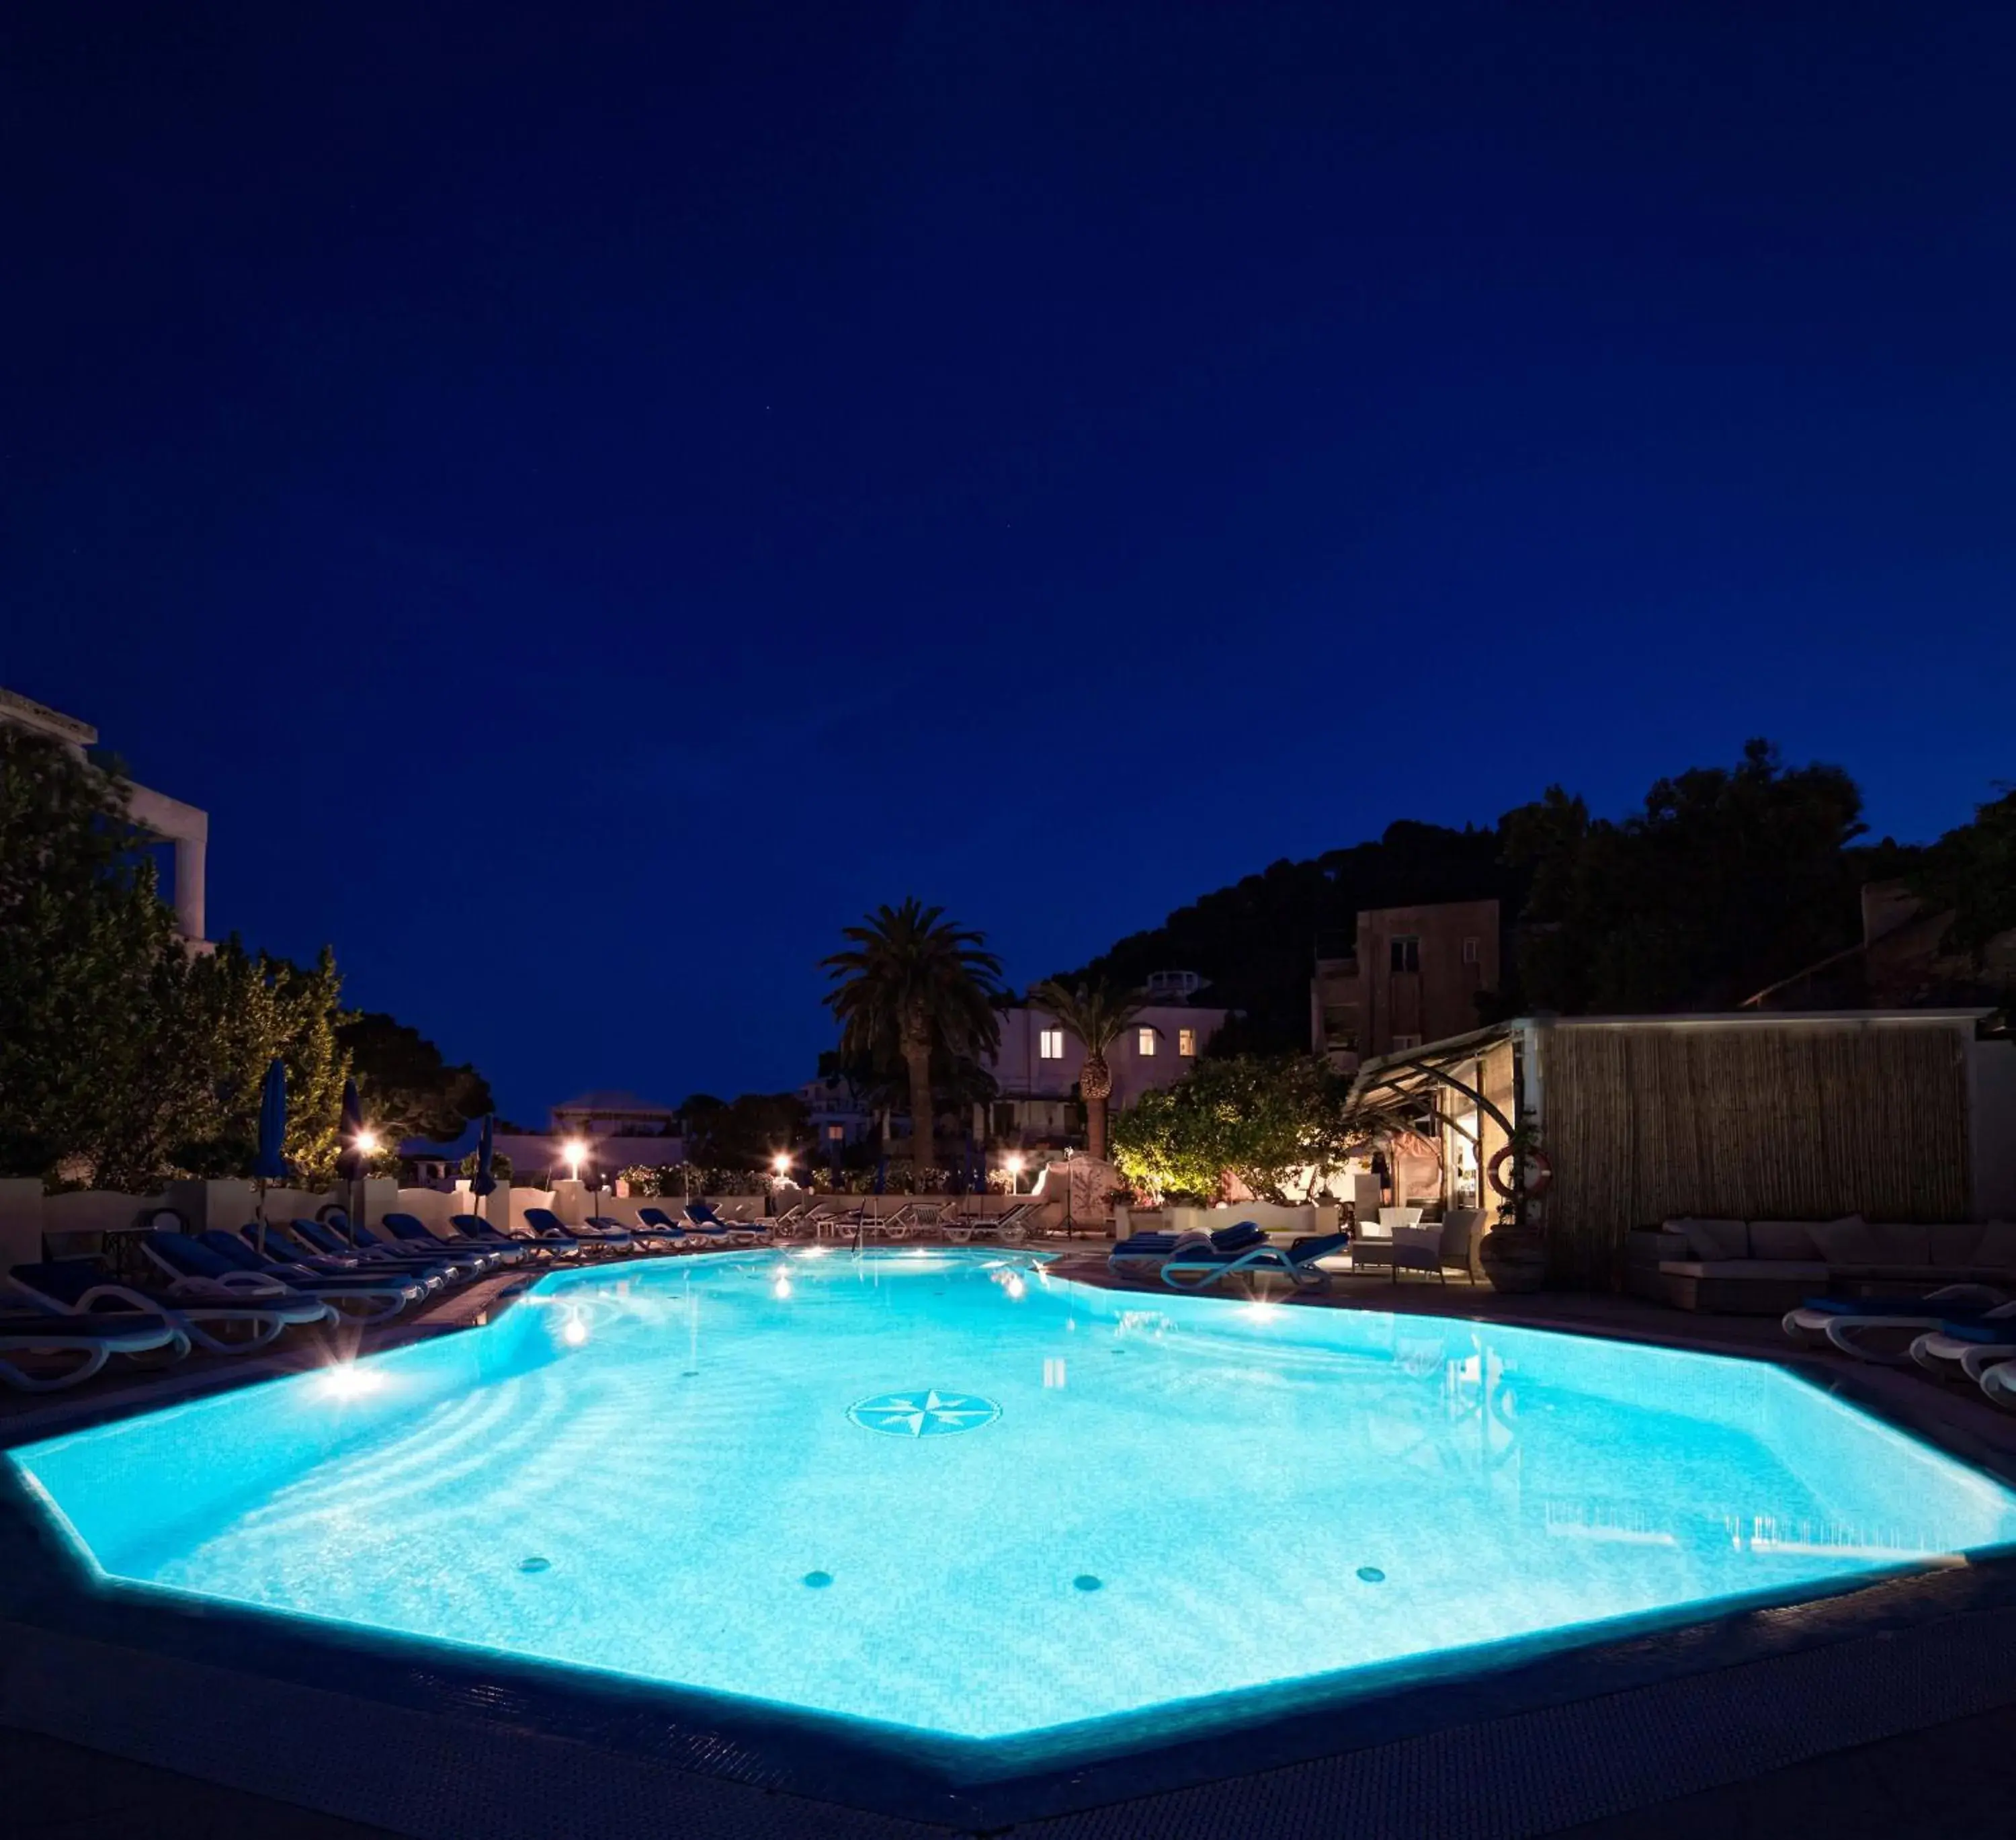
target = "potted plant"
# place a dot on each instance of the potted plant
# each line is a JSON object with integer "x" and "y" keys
{"x": 1514, "y": 1252}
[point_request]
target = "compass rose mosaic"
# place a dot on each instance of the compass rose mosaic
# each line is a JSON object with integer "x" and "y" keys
{"x": 925, "y": 1412}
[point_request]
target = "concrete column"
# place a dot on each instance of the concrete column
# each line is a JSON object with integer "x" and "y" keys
{"x": 190, "y": 852}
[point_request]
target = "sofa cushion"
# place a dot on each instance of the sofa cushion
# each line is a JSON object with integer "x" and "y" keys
{"x": 1952, "y": 1246}
{"x": 1802, "y": 1270}
{"x": 1782, "y": 1239}
{"x": 1996, "y": 1247}
{"x": 1713, "y": 1239}
{"x": 1900, "y": 1243}
{"x": 1845, "y": 1241}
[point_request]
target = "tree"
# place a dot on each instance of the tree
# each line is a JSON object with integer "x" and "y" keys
{"x": 1268, "y": 1121}
{"x": 743, "y": 1134}
{"x": 1728, "y": 880}
{"x": 91, "y": 975}
{"x": 1971, "y": 872}
{"x": 122, "y": 1059}
{"x": 407, "y": 1087}
{"x": 246, "y": 1010}
{"x": 911, "y": 984}
{"x": 1098, "y": 1015}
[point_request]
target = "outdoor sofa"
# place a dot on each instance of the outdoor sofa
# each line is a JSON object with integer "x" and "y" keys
{"x": 1767, "y": 1267}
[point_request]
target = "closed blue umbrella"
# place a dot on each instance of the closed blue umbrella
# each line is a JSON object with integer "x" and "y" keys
{"x": 483, "y": 1182}
{"x": 881, "y": 1174}
{"x": 270, "y": 1163}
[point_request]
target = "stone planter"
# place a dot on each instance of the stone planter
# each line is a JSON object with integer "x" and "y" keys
{"x": 1515, "y": 1262}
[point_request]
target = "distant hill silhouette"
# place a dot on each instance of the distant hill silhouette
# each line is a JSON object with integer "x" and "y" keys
{"x": 1256, "y": 941}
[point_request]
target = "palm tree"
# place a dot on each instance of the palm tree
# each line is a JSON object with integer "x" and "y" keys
{"x": 1098, "y": 1014}
{"x": 912, "y": 982}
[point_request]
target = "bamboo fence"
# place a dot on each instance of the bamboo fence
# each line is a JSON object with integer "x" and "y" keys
{"x": 1646, "y": 1124}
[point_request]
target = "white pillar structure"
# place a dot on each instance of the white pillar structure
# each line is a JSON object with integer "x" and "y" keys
{"x": 155, "y": 813}
{"x": 188, "y": 830}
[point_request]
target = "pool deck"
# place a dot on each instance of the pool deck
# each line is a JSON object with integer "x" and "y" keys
{"x": 1887, "y": 1710}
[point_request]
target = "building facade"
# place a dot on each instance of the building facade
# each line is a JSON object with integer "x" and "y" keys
{"x": 1414, "y": 977}
{"x": 1037, "y": 1066}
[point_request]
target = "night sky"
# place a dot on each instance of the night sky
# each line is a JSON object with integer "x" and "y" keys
{"x": 591, "y": 498}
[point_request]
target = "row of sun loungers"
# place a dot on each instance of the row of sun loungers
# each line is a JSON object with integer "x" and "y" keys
{"x": 236, "y": 1293}
{"x": 1962, "y": 1333}
{"x": 1202, "y": 1261}
{"x": 230, "y": 1293}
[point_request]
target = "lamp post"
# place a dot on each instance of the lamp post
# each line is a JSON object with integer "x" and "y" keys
{"x": 1012, "y": 1164}
{"x": 576, "y": 1153}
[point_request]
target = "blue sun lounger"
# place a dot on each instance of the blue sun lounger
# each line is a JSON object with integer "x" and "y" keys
{"x": 410, "y": 1233}
{"x": 552, "y": 1245}
{"x": 587, "y": 1236}
{"x": 316, "y": 1245}
{"x": 94, "y": 1338}
{"x": 1854, "y": 1324}
{"x": 231, "y": 1265}
{"x": 79, "y": 1286}
{"x": 703, "y": 1220}
{"x": 1199, "y": 1270}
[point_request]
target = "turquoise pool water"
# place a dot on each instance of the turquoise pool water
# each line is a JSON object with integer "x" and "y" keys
{"x": 947, "y": 1497}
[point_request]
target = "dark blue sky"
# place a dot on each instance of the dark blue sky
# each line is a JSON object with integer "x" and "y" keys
{"x": 592, "y": 498}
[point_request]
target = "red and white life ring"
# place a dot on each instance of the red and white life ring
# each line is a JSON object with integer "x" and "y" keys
{"x": 1539, "y": 1171}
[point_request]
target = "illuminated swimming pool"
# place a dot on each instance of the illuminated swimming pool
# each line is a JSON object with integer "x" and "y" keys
{"x": 949, "y": 1503}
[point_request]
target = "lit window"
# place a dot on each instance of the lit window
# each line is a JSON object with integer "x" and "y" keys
{"x": 1407, "y": 952}
{"x": 1470, "y": 950}
{"x": 1144, "y": 1042}
{"x": 835, "y": 1132}
{"x": 1050, "y": 1044}
{"x": 1186, "y": 1041}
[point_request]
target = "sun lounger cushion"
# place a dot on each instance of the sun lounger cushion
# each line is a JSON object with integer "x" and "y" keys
{"x": 1713, "y": 1239}
{"x": 1320, "y": 1246}
{"x": 1846, "y": 1241}
{"x": 1890, "y": 1306}
{"x": 1239, "y": 1238}
{"x": 1988, "y": 1332}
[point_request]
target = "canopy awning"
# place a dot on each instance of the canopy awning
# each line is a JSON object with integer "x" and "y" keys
{"x": 1396, "y": 1091}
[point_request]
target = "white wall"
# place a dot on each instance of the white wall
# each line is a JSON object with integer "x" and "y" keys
{"x": 20, "y": 1222}
{"x": 1991, "y": 1105}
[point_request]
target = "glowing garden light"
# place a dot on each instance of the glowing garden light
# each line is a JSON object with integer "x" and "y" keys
{"x": 574, "y": 1333}
{"x": 348, "y": 1380}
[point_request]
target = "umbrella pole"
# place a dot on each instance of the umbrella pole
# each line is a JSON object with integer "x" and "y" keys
{"x": 259, "y": 1213}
